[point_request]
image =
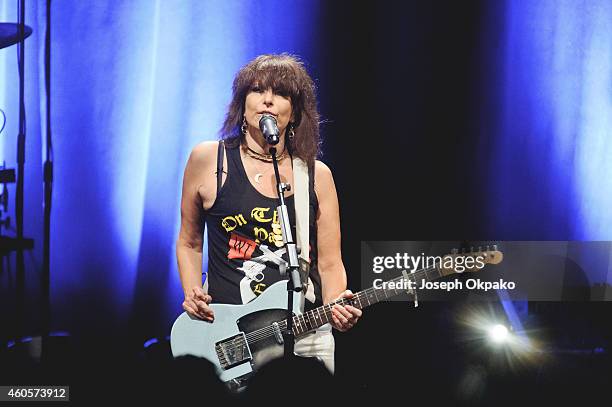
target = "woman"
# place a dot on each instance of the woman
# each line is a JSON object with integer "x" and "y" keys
{"x": 238, "y": 203}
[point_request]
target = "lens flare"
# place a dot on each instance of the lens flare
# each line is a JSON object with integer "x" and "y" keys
{"x": 498, "y": 333}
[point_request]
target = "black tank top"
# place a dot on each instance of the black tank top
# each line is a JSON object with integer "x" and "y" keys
{"x": 244, "y": 239}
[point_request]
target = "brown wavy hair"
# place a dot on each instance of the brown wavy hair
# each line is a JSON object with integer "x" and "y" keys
{"x": 286, "y": 75}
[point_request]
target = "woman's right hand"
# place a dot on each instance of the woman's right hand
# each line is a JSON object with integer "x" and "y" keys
{"x": 196, "y": 304}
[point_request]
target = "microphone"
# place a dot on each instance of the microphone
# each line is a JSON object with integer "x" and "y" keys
{"x": 269, "y": 129}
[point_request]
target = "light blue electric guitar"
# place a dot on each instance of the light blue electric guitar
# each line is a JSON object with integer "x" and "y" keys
{"x": 242, "y": 338}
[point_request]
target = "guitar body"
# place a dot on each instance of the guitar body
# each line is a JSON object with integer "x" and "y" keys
{"x": 222, "y": 341}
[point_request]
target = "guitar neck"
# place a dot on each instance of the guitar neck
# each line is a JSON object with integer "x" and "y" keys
{"x": 320, "y": 316}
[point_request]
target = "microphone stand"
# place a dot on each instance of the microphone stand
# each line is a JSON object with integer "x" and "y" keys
{"x": 294, "y": 284}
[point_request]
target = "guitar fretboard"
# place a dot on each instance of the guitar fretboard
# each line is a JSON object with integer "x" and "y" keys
{"x": 320, "y": 316}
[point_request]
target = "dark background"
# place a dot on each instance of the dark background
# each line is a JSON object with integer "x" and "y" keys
{"x": 413, "y": 103}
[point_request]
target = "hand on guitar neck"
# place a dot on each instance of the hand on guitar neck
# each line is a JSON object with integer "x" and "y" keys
{"x": 196, "y": 304}
{"x": 345, "y": 317}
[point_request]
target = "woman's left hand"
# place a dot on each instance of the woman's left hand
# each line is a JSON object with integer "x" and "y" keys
{"x": 344, "y": 317}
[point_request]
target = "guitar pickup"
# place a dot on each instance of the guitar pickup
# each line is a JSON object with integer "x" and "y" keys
{"x": 233, "y": 351}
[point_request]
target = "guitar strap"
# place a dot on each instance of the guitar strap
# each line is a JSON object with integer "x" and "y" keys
{"x": 302, "y": 221}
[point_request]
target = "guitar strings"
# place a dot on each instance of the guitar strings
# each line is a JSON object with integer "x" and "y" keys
{"x": 327, "y": 307}
{"x": 269, "y": 331}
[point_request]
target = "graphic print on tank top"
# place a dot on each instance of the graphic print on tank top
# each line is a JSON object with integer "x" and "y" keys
{"x": 267, "y": 241}
{"x": 245, "y": 240}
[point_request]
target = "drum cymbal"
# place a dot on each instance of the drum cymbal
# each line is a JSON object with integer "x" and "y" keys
{"x": 9, "y": 34}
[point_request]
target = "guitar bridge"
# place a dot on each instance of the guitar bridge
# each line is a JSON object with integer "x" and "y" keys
{"x": 233, "y": 351}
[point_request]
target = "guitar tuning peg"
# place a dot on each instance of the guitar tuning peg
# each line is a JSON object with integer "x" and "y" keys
{"x": 479, "y": 249}
{"x": 488, "y": 248}
{"x": 494, "y": 247}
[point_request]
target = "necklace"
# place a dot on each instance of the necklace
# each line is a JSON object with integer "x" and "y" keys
{"x": 258, "y": 176}
{"x": 266, "y": 158}
{"x": 263, "y": 157}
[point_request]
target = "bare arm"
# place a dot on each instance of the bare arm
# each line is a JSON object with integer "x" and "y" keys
{"x": 190, "y": 239}
{"x": 330, "y": 265}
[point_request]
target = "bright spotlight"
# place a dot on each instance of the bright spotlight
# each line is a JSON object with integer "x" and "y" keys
{"x": 498, "y": 333}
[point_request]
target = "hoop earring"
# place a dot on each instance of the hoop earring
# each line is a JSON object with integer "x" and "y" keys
{"x": 291, "y": 132}
{"x": 244, "y": 126}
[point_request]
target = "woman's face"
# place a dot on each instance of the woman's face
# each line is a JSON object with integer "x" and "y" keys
{"x": 259, "y": 101}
